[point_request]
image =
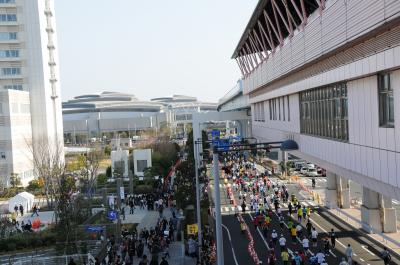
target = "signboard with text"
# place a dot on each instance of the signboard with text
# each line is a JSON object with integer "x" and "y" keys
{"x": 192, "y": 229}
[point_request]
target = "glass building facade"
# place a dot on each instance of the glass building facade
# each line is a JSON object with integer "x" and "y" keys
{"x": 323, "y": 112}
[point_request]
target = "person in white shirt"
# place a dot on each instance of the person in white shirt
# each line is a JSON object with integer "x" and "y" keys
{"x": 306, "y": 244}
{"x": 282, "y": 242}
{"x": 274, "y": 236}
{"x": 314, "y": 236}
{"x": 299, "y": 228}
{"x": 320, "y": 256}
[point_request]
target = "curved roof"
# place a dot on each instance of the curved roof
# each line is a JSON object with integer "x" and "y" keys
{"x": 108, "y": 102}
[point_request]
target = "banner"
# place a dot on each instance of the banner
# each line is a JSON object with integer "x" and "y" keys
{"x": 122, "y": 193}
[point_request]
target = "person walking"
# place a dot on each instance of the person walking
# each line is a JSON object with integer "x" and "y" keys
{"x": 314, "y": 237}
{"x": 306, "y": 244}
{"x": 21, "y": 209}
{"x": 282, "y": 242}
{"x": 290, "y": 207}
{"x": 309, "y": 228}
{"x": 299, "y": 214}
{"x": 293, "y": 233}
{"x": 285, "y": 256}
{"x": 274, "y": 236}
{"x": 349, "y": 254}
{"x": 332, "y": 236}
{"x": 343, "y": 262}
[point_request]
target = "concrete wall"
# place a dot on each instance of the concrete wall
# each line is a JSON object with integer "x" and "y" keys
{"x": 144, "y": 155}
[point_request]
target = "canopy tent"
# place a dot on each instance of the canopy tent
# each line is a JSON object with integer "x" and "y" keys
{"x": 24, "y": 198}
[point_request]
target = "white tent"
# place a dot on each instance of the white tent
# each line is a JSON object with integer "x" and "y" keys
{"x": 24, "y": 198}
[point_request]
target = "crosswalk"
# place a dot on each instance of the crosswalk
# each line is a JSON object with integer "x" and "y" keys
{"x": 230, "y": 209}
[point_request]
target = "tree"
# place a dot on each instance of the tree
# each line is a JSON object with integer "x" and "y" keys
{"x": 49, "y": 163}
{"x": 90, "y": 163}
{"x": 15, "y": 180}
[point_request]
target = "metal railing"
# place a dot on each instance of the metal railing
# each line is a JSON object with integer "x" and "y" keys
{"x": 368, "y": 228}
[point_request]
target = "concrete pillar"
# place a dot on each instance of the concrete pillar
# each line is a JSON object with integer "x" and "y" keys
{"x": 331, "y": 196}
{"x": 104, "y": 195}
{"x": 370, "y": 210}
{"x": 389, "y": 215}
{"x": 130, "y": 184}
{"x": 343, "y": 191}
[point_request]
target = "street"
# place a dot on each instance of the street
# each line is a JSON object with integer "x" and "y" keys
{"x": 236, "y": 244}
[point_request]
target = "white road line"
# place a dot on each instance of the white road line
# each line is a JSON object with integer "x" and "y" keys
{"x": 366, "y": 248}
{"x": 330, "y": 251}
{"x": 230, "y": 240}
{"x": 320, "y": 227}
{"x": 361, "y": 259}
{"x": 262, "y": 237}
{"x": 395, "y": 202}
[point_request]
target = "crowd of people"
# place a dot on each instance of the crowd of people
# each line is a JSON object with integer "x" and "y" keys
{"x": 264, "y": 197}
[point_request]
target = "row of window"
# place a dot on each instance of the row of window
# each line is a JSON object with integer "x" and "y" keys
{"x": 278, "y": 108}
{"x": 8, "y": 36}
{"x": 11, "y": 71}
{"x": 323, "y": 112}
{"x": 14, "y": 87}
{"x": 9, "y": 53}
{"x": 8, "y": 17}
{"x": 259, "y": 114}
{"x": 2, "y": 155}
{"x": 7, "y": 1}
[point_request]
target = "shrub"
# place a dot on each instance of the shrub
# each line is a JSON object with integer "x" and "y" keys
{"x": 143, "y": 189}
{"x": 101, "y": 179}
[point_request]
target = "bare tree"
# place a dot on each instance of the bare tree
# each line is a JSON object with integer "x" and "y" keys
{"x": 90, "y": 166}
{"x": 49, "y": 164}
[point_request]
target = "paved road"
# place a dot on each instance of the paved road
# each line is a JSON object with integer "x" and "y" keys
{"x": 366, "y": 251}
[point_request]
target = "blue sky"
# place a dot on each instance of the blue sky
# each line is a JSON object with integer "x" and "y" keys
{"x": 150, "y": 48}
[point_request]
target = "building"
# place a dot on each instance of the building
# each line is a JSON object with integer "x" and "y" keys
{"x": 179, "y": 110}
{"x": 326, "y": 74}
{"x": 29, "y": 84}
{"x": 110, "y": 113}
{"x": 105, "y": 113}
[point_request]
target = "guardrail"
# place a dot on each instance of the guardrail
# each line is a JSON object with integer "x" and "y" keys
{"x": 365, "y": 226}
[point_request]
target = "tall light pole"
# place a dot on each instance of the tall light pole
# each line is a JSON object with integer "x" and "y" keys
{"x": 218, "y": 219}
{"x": 196, "y": 168}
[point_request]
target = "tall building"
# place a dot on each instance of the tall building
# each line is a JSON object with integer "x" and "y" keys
{"x": 30, "y": 108}
{"x": 327, "y": 76}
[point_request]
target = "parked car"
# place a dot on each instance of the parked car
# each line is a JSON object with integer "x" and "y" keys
{"x": 304, "y": 170}
{"x": 312, "y": 172}
{"x": 310, "y": 166}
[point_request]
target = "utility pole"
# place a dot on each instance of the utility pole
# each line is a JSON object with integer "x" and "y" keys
{"x": 218, "y": 219}
{"x": 196, "y": 167}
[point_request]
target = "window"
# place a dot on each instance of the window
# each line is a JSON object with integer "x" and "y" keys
{"x": 8, "y": 17}
{"x": 323, "y": 112}
{"x": 288, "y": 109}
{"x": 270, "y": 109}
{"x": 9, "y": 53}
{"x": 14, "y": 87}
{"x": 2, "y": 155}
{"x": 7, "y": 1}
{"x": 386, "y": 106}
{"x": 11, "y": 71}
{"x": 8, "y": 35}
{"x": 141, "y": 165}
{"x": 283, "y": 108}
{"x": 279, "y": 108}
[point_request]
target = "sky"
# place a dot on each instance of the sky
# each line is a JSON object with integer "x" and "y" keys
{"x": 150, "y": 48}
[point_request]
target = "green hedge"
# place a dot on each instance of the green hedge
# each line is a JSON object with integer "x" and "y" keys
{"x": 28, "y": 241}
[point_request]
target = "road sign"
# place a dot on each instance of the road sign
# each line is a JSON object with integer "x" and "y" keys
{"x": 94, "y": 229}
{"x": 192, "y": 229}
{"x": 112, "y": 215}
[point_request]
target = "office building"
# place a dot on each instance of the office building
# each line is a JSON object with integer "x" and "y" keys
{"x": 29, "y": 84}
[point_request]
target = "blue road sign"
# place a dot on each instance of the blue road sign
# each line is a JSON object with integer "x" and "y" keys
{"x": 94, "y": 229}
{"x": 112, "y": 215}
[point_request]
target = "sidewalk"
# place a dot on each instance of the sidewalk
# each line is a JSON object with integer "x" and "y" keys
{"x": 149, "y": 219}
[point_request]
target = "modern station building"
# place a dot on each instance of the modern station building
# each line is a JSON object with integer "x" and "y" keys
{"x": 326, "y": 73}
{"x": 96, "y": 115}
{"x": 30, "y": 105}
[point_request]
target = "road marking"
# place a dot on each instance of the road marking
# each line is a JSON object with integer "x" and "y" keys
{"x": 320, "y": 227}
{"x": 366, "y": 248}
{"x": 361, "y": 259}
{"x": 330, "y": 251}
{"x": 230, "y": 241}
{"x": 395, "y": 202}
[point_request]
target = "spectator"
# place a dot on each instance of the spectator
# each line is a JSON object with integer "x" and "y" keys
{"x": 163, "y": 261}
{"x": 349, "y": 254}
{"x": 21, "y": 209}
{"x": 386, "y": 256}
{"x": 144, "y": 261}
{"x": 332, "y": 235}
